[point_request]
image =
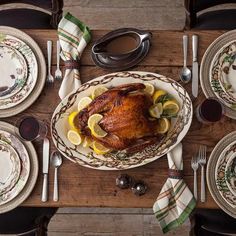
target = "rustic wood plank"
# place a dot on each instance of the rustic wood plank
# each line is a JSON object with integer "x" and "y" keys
{"x": 166, "y": 49}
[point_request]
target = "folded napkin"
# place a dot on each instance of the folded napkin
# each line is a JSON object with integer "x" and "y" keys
{"x": 175, "y": 201}
{"x": 73, "y": 36}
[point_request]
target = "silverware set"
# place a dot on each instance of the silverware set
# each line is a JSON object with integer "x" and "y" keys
{"x": 199, "y": 160}
{"x": 58, "y": 72}
{"x": 186, "y": 74}
{"x": 56, "y": 161}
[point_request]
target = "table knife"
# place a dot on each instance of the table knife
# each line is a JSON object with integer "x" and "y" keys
{"x": 195, "y": 66}
{"x": 45, "y": 169}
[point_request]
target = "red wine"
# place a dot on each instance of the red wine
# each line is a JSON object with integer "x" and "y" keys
{"x": 210, "y": 110}
{"x": 29, "y": 128}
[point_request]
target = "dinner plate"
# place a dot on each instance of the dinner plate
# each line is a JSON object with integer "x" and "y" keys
{"x": 9, "y": 138}
{"x": 210, "y": 82}
{"x": 30, "y": 81}
{"x": 25, "y": 148}
{"x": 121, "y": 160}
{"x": 216, "y": 174}
{"x": 10, "y": 167}
{"x": 14, "y": 71}
{"x": 222, "y": 72}
{"x": 230, "y": 173}
{"x": 31, "y": 93}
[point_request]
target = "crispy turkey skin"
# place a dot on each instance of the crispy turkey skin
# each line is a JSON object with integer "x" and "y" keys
{"x": 126, "y": 118}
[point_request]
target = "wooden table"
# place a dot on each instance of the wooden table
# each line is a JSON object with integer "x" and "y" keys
{"x": 80, "y": 186}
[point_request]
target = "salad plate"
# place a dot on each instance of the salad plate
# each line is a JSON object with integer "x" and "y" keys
{"x": 120, "y": 159}
{"x": 10, "y": 167}
{"x": 14, "y": 71}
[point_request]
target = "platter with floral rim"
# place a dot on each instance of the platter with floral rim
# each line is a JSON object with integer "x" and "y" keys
{"x": 121, "y": 160}
{"x": 14, "y": 71}
{"x": 230, "y": 173}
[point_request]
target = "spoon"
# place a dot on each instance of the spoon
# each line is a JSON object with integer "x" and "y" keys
{"x": 185, "y": 74}
{"x": 56, "y": 161}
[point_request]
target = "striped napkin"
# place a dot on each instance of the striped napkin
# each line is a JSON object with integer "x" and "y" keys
{"x": 175, "y": 201}
{"x": 73, "y": 36}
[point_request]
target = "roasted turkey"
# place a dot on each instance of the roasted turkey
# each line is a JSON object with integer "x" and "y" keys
{"x": 126, "y": 118}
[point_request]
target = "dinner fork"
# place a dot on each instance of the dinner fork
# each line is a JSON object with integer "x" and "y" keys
{"x": 58, "y": 73}
{"x": 202, "y": 162}
{"x": 50, "y": 78}
{"x": 194, "y": 165}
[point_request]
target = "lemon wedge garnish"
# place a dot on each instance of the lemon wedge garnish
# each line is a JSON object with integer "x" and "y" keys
{"x": 97, "y": 131}
{"x": 71, "y": 119}
{"x": 170, "y": 108}
{"x": 99, "y": 148}
{"x": 163, "y": 125}
{"x": 149, "y": 88}
{"x": 156, "y": 110}
{"x": 84, "y": 102}
{"x": 74, "y": 137}
{"x": 87, "y": 142}
{"x": 98, "y": 91}
{"x": 94, "y": 119}
{"x": 158, "y": 95}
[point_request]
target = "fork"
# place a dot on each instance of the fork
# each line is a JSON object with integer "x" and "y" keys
{"x": 202, "y": 162}
{"x": 194, "y": 165}
{"x": 58, "y": 73}
{"x": 50, "y": 78}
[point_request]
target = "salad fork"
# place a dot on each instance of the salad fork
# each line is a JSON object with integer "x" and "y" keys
{"x": 202, "y": 162}
{"x": 50, "y": 78}
{"x": 58, "y": 73}
{"x": 194, "y": 165}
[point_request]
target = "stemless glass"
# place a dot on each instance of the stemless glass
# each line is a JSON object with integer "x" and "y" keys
{"x": 29, "y": 128}
{"x": 209, "y": 111}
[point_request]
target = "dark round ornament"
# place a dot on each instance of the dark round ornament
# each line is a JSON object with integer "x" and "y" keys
{"x": 124, "y": 181}
{"x": 139, "y": 188}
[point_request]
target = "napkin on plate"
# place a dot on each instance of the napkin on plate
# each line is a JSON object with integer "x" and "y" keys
{"x": 73, "y": 36}
{"x": 175, "y": 201}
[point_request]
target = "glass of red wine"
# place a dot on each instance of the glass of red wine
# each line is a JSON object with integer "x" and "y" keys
{"x": 29, "y": 128}
{"x": 209, "y": 111}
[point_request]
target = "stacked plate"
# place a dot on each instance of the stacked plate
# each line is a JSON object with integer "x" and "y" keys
{"x": 23, "y": 71}
{"x": 218, "y": 71}
{"x": 18, "y": 168}
{"x": 221, "y": 174}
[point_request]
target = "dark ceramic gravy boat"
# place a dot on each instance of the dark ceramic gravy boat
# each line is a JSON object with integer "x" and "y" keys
{"x": 120, "y": 44}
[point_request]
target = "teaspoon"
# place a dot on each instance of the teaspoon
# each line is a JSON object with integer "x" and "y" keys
{"x": 185, "y": 74}
{"x": 56, "y": 161}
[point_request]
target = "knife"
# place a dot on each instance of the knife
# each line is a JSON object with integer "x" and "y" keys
{"x": 45, "y": 169}
{"x": 195, "y": 66}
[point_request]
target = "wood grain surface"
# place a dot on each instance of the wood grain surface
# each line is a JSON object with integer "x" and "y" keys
{"x": 80, "y": 186}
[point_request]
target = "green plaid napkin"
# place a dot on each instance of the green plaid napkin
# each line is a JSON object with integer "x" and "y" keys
{"x": 175, "y": 201}
{"x": 74, "y": 37}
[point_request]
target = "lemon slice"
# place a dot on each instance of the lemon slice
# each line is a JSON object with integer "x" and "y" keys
{"x": 84, "y": 102}
{"x": 149, "y": 88}
{"x": 170, "y": 108}
{"x": 158, "y": 95}
{"x": 97, "y": 131}
{"x": 74, "y": 137}
{"x": 163, "y": 125}
{"x": 87, "y": 142}
{"x": 94, "y": 119}
{"x": 156, "y": 110}
{"x": 99, "y": 148}
{"x": 71, "y": 119}
{"x": 98, "y": 91}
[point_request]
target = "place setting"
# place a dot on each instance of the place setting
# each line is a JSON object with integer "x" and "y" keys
{"x": 121, "y": 120}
